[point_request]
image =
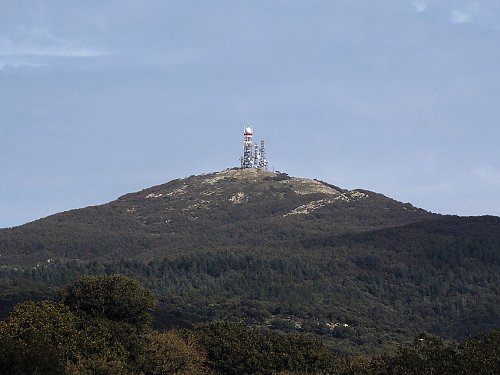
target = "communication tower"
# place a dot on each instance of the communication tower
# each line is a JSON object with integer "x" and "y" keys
{"x": 262, "y": 154}
{"x": 247, "y": 160}
{"x": 253, "y": 156}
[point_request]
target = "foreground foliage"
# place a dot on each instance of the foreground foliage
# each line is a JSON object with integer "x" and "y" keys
{"x": 102, "y": 326}
{"x": 428, "y": 355}
{"x": 38, "y": 338}
{"x": 233, "y": 348}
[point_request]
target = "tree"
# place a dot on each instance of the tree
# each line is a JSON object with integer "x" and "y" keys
{"x": 481, "y": 355}
{"x": 38, "y": 338}
{"x": 426, "y": 355}
{"x": 233, "y": 348}
{"x": 113, "y": 297}
{"x": 116, "y": 313}
{"x": 102, "y": 328}
{"x": 168, "y": 353}
{"x": 102, "y": 348}
{"x": 97, "y": 365}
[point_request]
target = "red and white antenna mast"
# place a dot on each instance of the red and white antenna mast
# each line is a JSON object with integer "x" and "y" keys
{"x": 247, "y": 160}
{"x": 253, "y": 156}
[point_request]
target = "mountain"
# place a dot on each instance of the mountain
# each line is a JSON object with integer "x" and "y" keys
{"x": 230, "y": 208}
{"x": 360, "y": 269}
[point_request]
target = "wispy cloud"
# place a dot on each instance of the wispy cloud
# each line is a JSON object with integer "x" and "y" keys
{"x": 468, "y": 14}
{"x": 459, "y": 16}
{"x": 419, "y": 5}
{"x": 4, "y": 65}
{"x": 8, "y": 48}
{"x": 39, "y": 42}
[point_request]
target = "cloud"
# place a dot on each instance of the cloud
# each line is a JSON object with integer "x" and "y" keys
{"x": 458, "y": 16}
{"x": 39, "y": 42}
{"x": 4, "y": 65}
{"x": 8, "y": 48}
{"x": 419, "y": 5}
{"x": 471, "y": 13}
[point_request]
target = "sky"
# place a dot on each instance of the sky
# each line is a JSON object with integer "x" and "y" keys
{"x": 102, "y": 98}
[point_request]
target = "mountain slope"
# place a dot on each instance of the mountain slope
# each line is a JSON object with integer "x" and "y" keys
{"x": 355, "y": 267}
{"x": 229, "y": 208}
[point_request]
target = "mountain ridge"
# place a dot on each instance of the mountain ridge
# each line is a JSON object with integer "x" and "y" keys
{"x": 246, "y": 206}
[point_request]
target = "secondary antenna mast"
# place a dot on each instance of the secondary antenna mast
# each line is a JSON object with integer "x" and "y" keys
{"x": 263, "y": 160}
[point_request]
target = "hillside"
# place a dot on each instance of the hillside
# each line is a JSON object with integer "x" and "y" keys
{"x": 230, "y": 208}
{"x": 355, "y": 267}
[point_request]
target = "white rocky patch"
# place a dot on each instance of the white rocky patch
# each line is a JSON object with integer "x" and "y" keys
{"x": 309, "y": 207}
{"x": 334, "y": 325}
{"x": 213, "y": 180}
{"x": 357, "y": 194}
{"x": 251, "y": 174}
{"x": 201, "y": 204}
{"x": 220, "y": 176}
{"x": 238, "y": 198}
{"x": 314, "y": 205}
{"x": 178, "y": 191}
{"x": 305, "y": 186}
{"x": 153, "y": 195}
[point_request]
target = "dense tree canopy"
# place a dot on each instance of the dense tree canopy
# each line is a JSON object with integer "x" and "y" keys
{"x": 93, "y": 338}
{"x": 38, "y": 338}
{"x": 169, "y": 353}
{"x": 115, "y": 297}
{"x": 102, "y": 326}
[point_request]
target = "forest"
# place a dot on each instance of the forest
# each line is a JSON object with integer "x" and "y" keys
{"x": 364, "y": 293}
{"x": 102, "y": 325}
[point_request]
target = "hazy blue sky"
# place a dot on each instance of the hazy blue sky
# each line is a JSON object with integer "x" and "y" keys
{"x": 102, "y": 98}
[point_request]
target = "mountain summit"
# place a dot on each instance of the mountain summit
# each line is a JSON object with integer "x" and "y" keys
{"x": 234, "y": 207}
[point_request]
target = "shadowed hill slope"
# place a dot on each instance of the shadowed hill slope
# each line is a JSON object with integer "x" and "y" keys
{"x": 229, "y": 208}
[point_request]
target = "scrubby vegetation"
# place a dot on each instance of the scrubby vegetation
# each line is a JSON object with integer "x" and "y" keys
{"x": 232, "y": 208}
{"x": 101, "y": 325}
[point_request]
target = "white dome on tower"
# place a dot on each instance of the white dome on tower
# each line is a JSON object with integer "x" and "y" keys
{"x": 253, "y": 156}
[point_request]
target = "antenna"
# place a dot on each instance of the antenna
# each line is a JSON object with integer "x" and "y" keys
{"x": 253, "y": 156}
{"x": 262, "y": 156}
{"x": 247, "y": 160}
